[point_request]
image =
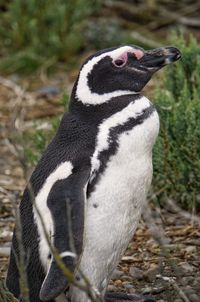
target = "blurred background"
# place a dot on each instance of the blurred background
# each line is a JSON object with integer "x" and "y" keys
{"x": 46, "y": 34}
{"x": 42, "y": 44}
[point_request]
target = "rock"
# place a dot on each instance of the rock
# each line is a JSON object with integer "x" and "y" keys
{"x": 150, "y": 274}
{"x": 190, "y": 249}
{"x": 184, "y": 281}
{"x": 117, "y": 274}
{"x": 47, "y": 90}
{"x": 111, "y": 288}
{"x": 118, "y": 282}
{"x": 132, "y": 290}
{"x": 4, "y": 251}
{"x": 186, "y": 267}
{"x": 127, "y": 285}
{"x": 188, "y": 280}
{"x": 136, "y": 273}
{"x": 126, "y": 278}
{"x": 197, "y": 281}
{"x": 194, "y": 298}
{"x": 147, "y": 290}
{"x": 178, "y": 300}
{"x": 188, "y": 290}
{"x": 6, "y": 233}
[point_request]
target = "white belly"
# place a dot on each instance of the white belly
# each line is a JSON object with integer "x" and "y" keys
{"x": 114, "y": 208}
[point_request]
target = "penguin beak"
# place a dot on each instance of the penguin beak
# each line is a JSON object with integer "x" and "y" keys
{"x": 159, "y": 57}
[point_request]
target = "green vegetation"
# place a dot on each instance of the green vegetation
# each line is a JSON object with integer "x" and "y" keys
{"x": 177, "y": 151}
{"x": 39, "y": 33}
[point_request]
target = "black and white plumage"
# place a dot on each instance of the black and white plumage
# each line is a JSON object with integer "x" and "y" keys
{"x": 95, "y": 172}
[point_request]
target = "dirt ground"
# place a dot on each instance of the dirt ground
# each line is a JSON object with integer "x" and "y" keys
{"x": 169, "y": 273}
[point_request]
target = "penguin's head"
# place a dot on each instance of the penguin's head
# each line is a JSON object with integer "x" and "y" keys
{"x": 119, "y": 71}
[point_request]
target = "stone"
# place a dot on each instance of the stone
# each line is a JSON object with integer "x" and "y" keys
{"x": 186, "y": 267}
{"x": 190, "y": 249}
{"x": 136, "y": 273}
{"x": 4, "y": 251}
{"x": 147, "y": 290}
{"x": 150, "y": 274}
{"x": 126, "y": 278}
{"x": 118, "y": 282}
{"x": 190, "y": 280}
{"x": 188, "y": 290}
{"x": 111, "y": 288}
{"x": 128, "y": 285}
{"x": 47, "y": 90}
{"x": 117, "y": 274}
{"x": 197, "y": 281}
{"x": 194, "y": 298}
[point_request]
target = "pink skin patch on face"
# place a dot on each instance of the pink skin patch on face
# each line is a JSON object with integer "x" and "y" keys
{"x": 138, "y": 53}
{"x": 123, "y": 57}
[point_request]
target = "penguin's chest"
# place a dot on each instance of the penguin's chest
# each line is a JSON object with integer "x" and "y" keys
{"x": 114, "y": 207}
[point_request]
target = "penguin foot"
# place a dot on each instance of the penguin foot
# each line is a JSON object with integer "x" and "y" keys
{"x": 122, "y": 297}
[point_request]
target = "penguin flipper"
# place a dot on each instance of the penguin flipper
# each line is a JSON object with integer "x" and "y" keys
{"x": 66, "y": 203}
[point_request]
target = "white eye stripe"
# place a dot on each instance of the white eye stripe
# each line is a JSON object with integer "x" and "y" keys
{"x": 67, "y": 254}
{"x": 83, "y": 92}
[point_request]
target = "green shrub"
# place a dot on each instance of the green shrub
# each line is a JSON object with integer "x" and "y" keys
{"x": 177, "y": 152}
{"x": 35, "y": 33}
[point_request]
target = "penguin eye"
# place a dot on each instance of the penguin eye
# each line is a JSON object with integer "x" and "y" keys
{"x": 119, "y": 63}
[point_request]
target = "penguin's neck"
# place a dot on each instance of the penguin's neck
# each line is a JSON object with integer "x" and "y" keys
{"x": 97, "y": 113}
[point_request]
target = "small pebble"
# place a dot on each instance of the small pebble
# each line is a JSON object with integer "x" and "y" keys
{"x": 128, "y": 285}
{"x": 190, "y": 280}
{"x": 150, "y": 274}
{"x": 118, "y": 282}
{"x": 136, "y": 273}
{"x": 47, "y": 90}
{"x": 194, "y": 298}
{"x": 186, "y": 267}
{"x": 190, "y": 249}
{"x": 146, "y": 290}
{"x": 4, "y": 251}
{"x": 184, "y": 281}
{"x": 132, "y": 290}
{"x": 196, "y": 281}
{"x": 116, "y": 274}
{"x": 126, "y": 278}
{"x": 5, "y": 234}
{"x": 111, "y": 288}
{"x": 188, "y": 290}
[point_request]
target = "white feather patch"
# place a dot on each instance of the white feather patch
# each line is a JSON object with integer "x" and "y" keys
{"x": 83, "y": 92}
{"x": 102, "y": 143}
{"x": 61, "y": 172}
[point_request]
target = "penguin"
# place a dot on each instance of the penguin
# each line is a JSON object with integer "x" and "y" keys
{"x": 91, "y": 183}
